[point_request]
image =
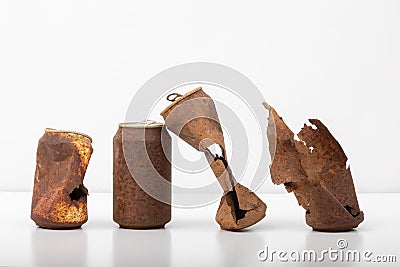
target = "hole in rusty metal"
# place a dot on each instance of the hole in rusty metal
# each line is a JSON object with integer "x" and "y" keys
{"x": 350, "y": 210}
{"x": 239, "y": 213}
{"x": 78, "y": 193}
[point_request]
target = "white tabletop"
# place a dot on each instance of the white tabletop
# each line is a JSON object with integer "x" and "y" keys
{"x": 192, "y": 238}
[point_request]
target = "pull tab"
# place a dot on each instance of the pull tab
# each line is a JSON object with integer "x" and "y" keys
{"x": 172, "y": 97}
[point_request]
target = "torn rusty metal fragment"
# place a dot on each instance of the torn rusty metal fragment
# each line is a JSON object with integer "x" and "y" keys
{"x": 314, "y": 168}
{"x": 194, "y": 118}
{"x": 142, "y": 175}
{"x": 59, "y": 199}
{"x": 239, "y": 209}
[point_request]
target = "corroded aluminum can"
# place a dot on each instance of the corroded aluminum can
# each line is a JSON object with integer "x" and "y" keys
{"x": 59, "y": 199}
{"x": 194, "y": 118}
{"x": 142, "y": 175}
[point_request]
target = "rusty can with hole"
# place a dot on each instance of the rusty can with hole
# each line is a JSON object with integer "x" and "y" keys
{"x": 142, "y": 175}
{"x": 59, "y": 199}
{"x": 194, "y": 118}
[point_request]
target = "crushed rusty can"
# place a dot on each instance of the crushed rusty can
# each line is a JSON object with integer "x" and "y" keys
{"x": 194, "y": 118}
{"x": 59, "y": 199}
{"x": 142, "y": 175}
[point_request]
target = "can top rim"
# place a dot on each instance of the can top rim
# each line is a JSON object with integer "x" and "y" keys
{"x": 179, "y": 99}
{"x": 51, "y": 130}
{"x": 141, "y": 124}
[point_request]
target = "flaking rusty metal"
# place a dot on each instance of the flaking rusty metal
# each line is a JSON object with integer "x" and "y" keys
{"x": 314, "y": 168}
{"x": 194, "y": 118}
{"x": 59, "y": 199}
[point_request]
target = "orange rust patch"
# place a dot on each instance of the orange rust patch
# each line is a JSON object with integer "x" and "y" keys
{"x": 68, "y": 213}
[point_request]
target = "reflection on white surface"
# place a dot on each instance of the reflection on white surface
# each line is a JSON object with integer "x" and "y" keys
{"x": 59, "y": 247}
{"x": 239, "y": 248}
{"x": 192, "y": 238}
{"x": 318, "y": 241}
{"x": 141, "y": 247}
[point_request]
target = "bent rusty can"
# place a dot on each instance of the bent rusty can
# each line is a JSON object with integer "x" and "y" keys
{"x": 142, "y": 175}
{"x": 59, "y": 199}
{"x": 194, "y": 118}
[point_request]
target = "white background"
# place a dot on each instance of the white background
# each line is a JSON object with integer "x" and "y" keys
{"x": 77, "y": 64}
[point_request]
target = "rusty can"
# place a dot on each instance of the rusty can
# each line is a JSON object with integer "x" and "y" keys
{"x": 194, "y": 118}
{"x": 59, "y": 199}
{"x": 142, "y": 175}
